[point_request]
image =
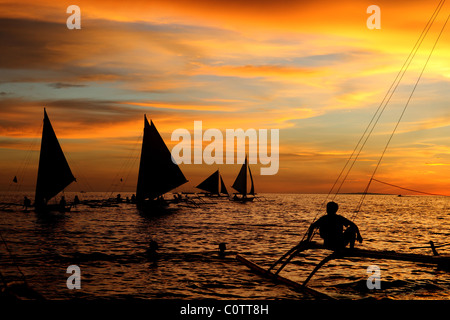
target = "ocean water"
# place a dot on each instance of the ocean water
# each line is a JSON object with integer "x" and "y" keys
{"x": 110, "y": 244}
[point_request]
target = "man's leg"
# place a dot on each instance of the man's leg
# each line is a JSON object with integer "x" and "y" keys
{"x": 349, "y": 236}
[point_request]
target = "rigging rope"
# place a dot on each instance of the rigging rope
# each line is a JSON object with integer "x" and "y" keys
{"x": 391, "y": 90}
{"x": 20, "y": 172}
{"x": 13, "y": 259}
{"x": 80, "y": 177}
{"x": 399, "y": 120}
{"x": 377, "y": 115}
{"x": 422, "y": 192}
{"x": 128, "y": 163}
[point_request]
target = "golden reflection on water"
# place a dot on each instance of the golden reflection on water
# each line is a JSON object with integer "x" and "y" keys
{"x": 109, "y": 245}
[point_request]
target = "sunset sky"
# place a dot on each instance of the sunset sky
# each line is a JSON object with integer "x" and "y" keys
{"x": 311, "y": 69}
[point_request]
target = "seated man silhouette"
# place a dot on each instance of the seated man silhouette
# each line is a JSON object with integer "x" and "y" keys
{"x": 331, "y": 229}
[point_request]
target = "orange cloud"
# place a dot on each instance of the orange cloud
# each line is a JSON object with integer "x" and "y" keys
{"x": 310, "y": 68}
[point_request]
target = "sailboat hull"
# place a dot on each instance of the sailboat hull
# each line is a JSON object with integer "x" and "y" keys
{"x": 243, "y": 199}
{"x": 154, "y": 207}
{"x": 209, "y": 195}
{"x": 49, "y": 208}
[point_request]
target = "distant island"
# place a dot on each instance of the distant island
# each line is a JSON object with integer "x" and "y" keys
{"x": 373, "y": 193}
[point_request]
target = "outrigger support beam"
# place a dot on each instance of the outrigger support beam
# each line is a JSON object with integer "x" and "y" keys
{"x": 347, "y": 253}
{"x": 296, "y": 252}
{"x": 302, "y": 246}
{"x": 284, "y": 256}
{"x": 319, "y": 265}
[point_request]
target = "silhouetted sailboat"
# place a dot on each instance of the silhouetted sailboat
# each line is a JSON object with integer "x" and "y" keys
{"x": 240, "y": 184}
{"x": 214, "y": 185}
{"x": 158, "y": 174}
{"x": 54, "y": 173}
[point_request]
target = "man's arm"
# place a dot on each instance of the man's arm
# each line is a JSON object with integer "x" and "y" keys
{"x": 311, "y": 229}
{"x": 351, "y": 224}
{"x": 358, "y": 235}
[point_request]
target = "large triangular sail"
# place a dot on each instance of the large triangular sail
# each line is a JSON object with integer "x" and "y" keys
{"x": 240, "y": 184}
{"x": 223, "y": 188}
{"x": 54, "y": 173}
{"x": 214, "y": 184}
{"x": 211, "y": 184}
{"x": 158, "y": 173}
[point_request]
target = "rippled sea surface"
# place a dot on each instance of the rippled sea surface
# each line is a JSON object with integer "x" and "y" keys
{"x": 109, "y": 244}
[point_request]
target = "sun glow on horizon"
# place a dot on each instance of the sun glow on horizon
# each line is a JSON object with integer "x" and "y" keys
{"x": 311, "y": 69}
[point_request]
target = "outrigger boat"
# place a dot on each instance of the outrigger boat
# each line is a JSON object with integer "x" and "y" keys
{"x": 347, "y": 253}
{"x": 54, "y": 173}
{"x": 214, "y": 186}
{"x": 158, "y": 174}
{"x": 240, "y": 184}
{"x": 441, "y": 261}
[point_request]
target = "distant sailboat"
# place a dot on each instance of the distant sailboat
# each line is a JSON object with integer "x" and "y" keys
{"x": 214, "y": 185}
{"x": 240, "y": 184}
{"x": 158, "y": 174}
{"x": 54, "y": 173}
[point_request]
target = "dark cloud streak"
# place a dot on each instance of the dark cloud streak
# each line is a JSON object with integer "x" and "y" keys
{"x": 61, "y": 85}
{"x": 19, "y": 116}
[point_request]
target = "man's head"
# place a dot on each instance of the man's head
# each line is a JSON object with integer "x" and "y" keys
{"x": 332, "y": 207}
